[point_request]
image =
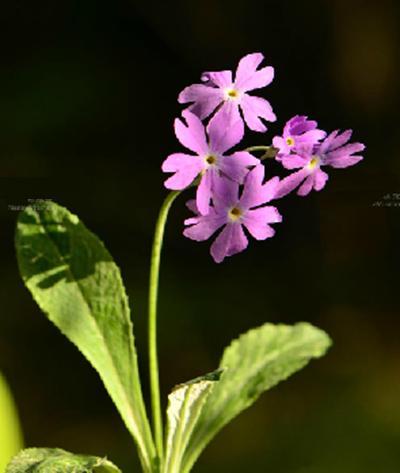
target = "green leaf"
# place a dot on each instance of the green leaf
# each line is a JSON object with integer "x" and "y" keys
{"x": 10, "y": 431}
{"x": 76, "y": 283}
{"x": 184, "y": 408}
{"x": 253, "y": 363}
{"x": 55, "y": 460}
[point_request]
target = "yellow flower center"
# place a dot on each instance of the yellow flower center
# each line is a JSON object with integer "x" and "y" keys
{"x": 234, "y": 214}
{"x": 290, "y": 141}
{"x": 231, "y": 94}
{"x": 313, "y": 163}
{"x": 211, "y": 159}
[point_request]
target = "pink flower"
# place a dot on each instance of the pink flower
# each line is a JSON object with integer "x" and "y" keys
{"x": 220, "y": 90}
{"x": 334, "y": 151}
{"x": 235, "y": 213}
{"x": 297, "y": 133}
{"x": 209, "y": 161}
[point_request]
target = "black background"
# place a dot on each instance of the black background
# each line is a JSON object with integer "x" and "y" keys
{"x": 87, "y": 101}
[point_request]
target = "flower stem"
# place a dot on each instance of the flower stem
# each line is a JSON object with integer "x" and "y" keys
{"x": 269, "y": 151}
{"x": 257, "y": 148}
{"x": 153, "y": 293}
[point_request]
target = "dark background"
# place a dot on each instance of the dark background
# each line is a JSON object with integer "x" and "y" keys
{"x": 87, "y": 99}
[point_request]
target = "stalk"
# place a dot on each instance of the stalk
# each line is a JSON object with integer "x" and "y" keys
{"x": 152, "y": 321}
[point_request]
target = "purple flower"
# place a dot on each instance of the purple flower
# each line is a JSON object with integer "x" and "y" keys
{"x": 234, "y": 213}
{"x": 219, "y": 89}
{"x": 334, "y": 151}
{"x": 209, "y": 161}
{"x": 297, "y": 133}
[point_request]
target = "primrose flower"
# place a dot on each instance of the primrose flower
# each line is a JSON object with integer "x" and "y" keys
{"x": 234, "y": 213}
{"x": 334, "y": 151}
{"x": 220, "y": 90}
{"x": 210, "y": 160}
{"x": 297, "y": 133}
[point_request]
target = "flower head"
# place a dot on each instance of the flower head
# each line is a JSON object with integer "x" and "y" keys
{"x": 334, "y": 151}
{"x": 297, "y": 133}
{"x": 209, "y": 161}
{"x": 235, "y": 212}
{"x": 220, "y": 91}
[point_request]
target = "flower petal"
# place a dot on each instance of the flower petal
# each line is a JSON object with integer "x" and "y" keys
{"x": 239, "y": 240}
{"x": 253, "y": 108}
{"x": 230, "y": 241}
{"x": 267, "y": 214}
{"x": 320, "y": 178}
{"x": 247, "y": 77}
{"x": 221, "y": 79}
{"x": 269, "y": 189}
{"x": 259, "y": 79}
{"x": 236, "y": 165}
{"x": 248, "y": 64}
{"x": 203, "y": 194}
{"x": 204, "y": 227}
{"x": 206, "y": 99}
{"x": 327, "y": 143}
{"x": 256, "y": 193}
{"x": 289, "y": 183}
{"x": 205, "y": 107}
{"x": 185, "y": 167}
{"x": 344, "y": 151}
{"x": 252, "y": 191}
{"x": 299, "y": 124}
{"x": 280, "y": 143}
{"x": 225, "y": 129}
{"x": 341, "y": 139}
{"x": 256, "y": 221}
{"x": 193, "y": 135}
{"x": 306, "y": 187}
{"x": 344, "y": 162}
{"x": 293, "y": 161}
{"x": 176, "y": 161}
{"x": 225, "y": 193}
{"x": 310, "y": 137}
{"x": 245, "y": 158}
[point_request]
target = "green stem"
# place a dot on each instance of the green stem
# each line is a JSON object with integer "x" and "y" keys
{"x": 269, "y": 151}
{"x": 257, "y": 148}
{"x": 153, "y": 293}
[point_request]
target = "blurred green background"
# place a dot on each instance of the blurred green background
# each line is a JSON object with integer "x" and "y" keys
{"x": 87, "y": 99}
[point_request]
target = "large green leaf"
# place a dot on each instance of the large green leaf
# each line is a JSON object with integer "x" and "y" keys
{"x": 184, "y": 408}
{"x": 55, "y": 460}
{"x": 253, "y": 363}
{"x": 10, "y": 431}
{"x": 78, "y": 286}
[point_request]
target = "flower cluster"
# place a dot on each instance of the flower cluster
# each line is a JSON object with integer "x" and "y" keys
{"x": 306, "y": 148}
{"x": 231, "y": 194}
